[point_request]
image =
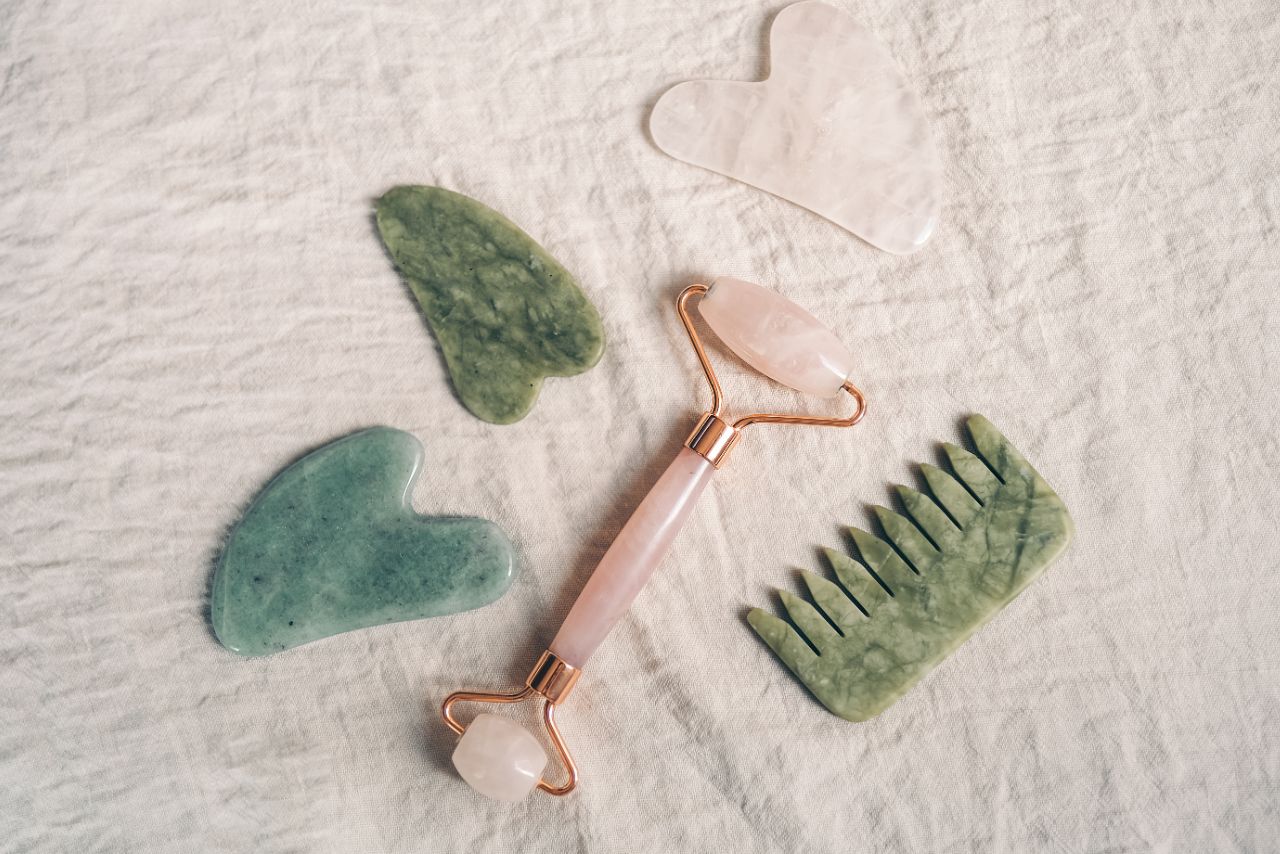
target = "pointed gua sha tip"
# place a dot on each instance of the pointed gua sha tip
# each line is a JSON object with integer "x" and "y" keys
{"x": 835, "y": 128}
{"x": 332, "y": 544}
{"x": 505, "y": 313}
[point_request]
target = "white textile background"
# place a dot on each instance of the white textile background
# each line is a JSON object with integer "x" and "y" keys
{"x": 192, "y": 294}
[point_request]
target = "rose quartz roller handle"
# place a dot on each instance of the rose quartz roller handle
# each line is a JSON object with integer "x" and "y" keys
{"x": 634, "y": 555}
{"x": 781, "y": 340}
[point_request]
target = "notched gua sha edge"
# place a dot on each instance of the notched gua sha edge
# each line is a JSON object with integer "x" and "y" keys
{"x": 333, "y": 544}
{"x": 987, "y": 532}
{"x": 835, "y": 128}
{"x": 504, "y": 312}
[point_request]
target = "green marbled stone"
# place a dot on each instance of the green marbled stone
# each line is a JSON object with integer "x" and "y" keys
{"x": 333, "y": 544}
{"x": 984, "y": 536}
{"x": 505, "y": 312}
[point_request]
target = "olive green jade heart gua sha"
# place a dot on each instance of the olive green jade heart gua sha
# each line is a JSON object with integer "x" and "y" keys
{"x": 951, "y": 567}
{"x": 332, "y": 544}
{"x": 505, "y": 313}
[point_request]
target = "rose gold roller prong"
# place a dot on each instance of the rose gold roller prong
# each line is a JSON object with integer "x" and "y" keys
{"x": 714, "y": 436}
{"x": 550, "y": 681}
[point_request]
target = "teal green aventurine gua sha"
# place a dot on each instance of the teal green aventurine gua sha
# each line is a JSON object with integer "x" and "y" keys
{"x": 505, "y": 313}
{"x": 952, "y": 566}
{"x": 332, "y": 544}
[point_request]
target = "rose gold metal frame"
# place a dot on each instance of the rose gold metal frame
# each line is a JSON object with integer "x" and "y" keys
{"x": 550, "y": 680}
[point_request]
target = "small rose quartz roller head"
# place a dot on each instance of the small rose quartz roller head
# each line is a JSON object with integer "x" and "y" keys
{"x": 502, "y": 759}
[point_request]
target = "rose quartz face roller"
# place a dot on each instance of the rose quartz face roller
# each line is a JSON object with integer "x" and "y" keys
{"x": 502, "y": 759}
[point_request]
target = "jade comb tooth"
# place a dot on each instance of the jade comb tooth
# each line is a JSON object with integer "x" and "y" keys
{"x": 950, "y": 565}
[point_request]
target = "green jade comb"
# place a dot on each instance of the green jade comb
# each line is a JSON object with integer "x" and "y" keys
{"x": 943, "y": 573}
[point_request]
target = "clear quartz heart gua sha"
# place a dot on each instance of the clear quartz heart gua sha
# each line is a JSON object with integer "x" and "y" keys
{"x": 835, "y": 128}
{"x": 498, "y": 757}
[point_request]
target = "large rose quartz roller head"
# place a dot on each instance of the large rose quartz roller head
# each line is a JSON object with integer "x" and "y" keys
{"x": 502, "y": 759}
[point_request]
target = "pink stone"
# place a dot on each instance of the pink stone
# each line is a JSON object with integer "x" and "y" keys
{"x": 634, "y": 555}
{"x": 776, "y": 337}
{"x": 835, "y": 128}
{"x": 499, "y": 758}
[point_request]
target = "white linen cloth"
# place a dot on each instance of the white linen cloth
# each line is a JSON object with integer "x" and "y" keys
{"x": 192, "y": 294}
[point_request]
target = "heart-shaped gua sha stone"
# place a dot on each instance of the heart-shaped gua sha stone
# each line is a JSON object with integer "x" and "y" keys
{"x": 505, "y": 312}
{"x": 333, "y": 544}
{"x": 835, "y": 128}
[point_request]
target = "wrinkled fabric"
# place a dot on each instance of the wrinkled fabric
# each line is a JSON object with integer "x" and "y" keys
{"x": 192, "y": 294}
